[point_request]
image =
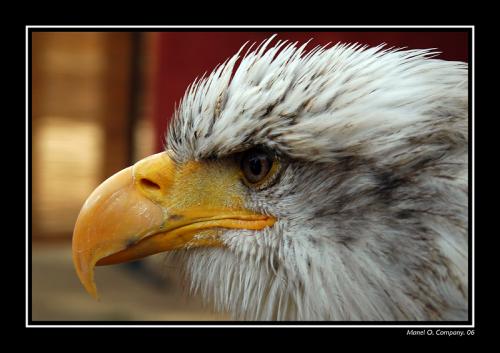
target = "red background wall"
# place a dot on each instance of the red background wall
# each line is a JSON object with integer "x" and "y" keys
{"x": 182, "y": 56}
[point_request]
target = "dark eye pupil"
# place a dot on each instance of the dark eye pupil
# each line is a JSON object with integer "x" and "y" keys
{"x": 255, "y": 165}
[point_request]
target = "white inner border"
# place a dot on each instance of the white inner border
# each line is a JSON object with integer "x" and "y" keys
{"x": 432, "y": 326}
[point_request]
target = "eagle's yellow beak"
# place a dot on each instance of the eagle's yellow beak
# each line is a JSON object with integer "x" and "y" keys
{"x": 155, "y": 206}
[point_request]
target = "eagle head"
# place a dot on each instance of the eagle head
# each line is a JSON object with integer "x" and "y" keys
{"x": 328, "y": 184}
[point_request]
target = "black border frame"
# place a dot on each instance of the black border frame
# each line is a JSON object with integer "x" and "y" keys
{"x": 415, "y": 325}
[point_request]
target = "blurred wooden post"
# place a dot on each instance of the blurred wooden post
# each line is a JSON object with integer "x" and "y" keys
{"x": 117, "y": 92}
{"x": 38, "y": 43}
{"x": 81, "y": 122}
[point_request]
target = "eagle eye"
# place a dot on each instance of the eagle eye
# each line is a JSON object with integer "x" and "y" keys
{"x": 256, "y": 165}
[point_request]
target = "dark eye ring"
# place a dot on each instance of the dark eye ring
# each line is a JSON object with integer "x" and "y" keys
{"x": 255, "y": 165}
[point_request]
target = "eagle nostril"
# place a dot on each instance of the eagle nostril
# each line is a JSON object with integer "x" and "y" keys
{"x": 148, "y": 184}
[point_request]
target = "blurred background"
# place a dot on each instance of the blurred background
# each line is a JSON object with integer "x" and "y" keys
{"x": 100, "y": 102}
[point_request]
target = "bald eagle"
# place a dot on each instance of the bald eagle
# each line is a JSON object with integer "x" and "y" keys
{"x": 328, "y": 184}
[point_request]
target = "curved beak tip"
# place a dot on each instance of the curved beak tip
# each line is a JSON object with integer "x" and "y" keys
{"x": 85, "y": 272}
{"x": 91, "y": 288}
{"x": 93, "y": 292}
